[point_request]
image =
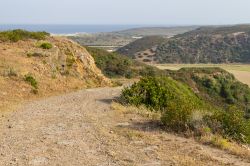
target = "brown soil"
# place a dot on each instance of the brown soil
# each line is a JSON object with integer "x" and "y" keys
{"x": 65, "y": 67}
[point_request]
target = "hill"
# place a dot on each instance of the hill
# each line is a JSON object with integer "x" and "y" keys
{"x": 35, "y": 64}
{"x": 157, "y": 31}
{"x": 115, "y": 65}
{"x": 146, "y": 44}
{"x": 193, "y": 100}
{"x": 216, "y": 86}
{"x": 214, "y": 44}
{"x": 122, "y": 38}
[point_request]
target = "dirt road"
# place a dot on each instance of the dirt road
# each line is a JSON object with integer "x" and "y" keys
{"x": 80, "y": 129}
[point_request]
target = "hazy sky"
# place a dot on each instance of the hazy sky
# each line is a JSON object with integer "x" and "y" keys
{"x": 156, "y": 12}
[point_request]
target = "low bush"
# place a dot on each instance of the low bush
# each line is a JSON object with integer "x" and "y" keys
{"x": 178, "y": 115}
{"x": 157, "y": 93}
{"x": 46, "y": 45}
{"x": 30, "y": 79}
{"x": 19, "y": 34}
{"x": 230, "y": 123}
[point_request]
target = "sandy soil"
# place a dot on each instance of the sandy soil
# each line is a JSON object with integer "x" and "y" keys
{"x": 80, "y": 128}
{"x": 243, "y": 76}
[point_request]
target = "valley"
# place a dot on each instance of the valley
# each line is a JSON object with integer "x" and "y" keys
{"x": 118, "y": 39}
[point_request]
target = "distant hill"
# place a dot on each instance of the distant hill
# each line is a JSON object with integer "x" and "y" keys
{"x": 157, "y": 31}
{"x": 229, "y": 44}
{"x": 122, "y": 38}
{"x": 143, "y": 44}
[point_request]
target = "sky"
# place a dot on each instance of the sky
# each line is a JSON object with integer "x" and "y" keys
{"x": 133, "y": 12}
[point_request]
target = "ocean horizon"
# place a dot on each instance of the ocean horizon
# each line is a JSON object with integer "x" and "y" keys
{"x": 69, "y": 29}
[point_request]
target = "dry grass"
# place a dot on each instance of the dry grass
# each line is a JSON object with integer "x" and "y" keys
{"x": 230, "y": 146}
{"x": 208, "y": 139}
{"x": 142, "y": 111}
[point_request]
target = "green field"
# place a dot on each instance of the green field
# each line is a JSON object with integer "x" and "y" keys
{"x": 240, "y": 71}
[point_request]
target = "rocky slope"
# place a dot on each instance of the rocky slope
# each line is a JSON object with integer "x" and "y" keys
{"x": 27, "y": 70}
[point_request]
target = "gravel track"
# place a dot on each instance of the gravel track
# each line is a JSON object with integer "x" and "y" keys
{"x": 80, "y": 128}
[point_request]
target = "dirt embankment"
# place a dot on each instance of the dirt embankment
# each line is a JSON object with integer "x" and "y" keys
{"x": 81, "y": 129}
{"x": 65, "y": 67}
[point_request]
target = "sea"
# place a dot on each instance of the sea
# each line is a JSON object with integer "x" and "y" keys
{"x": 69, "y": 29}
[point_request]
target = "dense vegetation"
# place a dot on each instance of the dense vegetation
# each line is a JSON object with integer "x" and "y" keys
{"x": 183, "y": 110}
{"x": 203, "y": 45}
{"x": 18, "y": 34}
{"x": 141, "y": 45}
{"x": 216, "y": 86}
{"x": 207, "y": 45}
{"x": 116, "y": 65}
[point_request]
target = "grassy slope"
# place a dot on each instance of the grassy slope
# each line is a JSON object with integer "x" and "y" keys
{"x": 216, "y": 86}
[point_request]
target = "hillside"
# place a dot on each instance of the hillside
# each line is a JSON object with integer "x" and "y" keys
{"x": 115, "y": 65}
{"x": 148, "y": 43}
{"x": 196, "y": 102}
{"x": 122, "y": 38}
{"x": 33, "y": 64}
{"x": 157, "y": 31}
{"x": 216, "y": 86}
{"x": 215, "y": 44}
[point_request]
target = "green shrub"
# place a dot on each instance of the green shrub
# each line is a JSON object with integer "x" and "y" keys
{"x": 230, "y": 123}
{"x": 46, "y": 45}
{"x": 70, "y": 60}
{"x": 181, "y": 110}
{"x": 30, "y": 79}
{"x": 178, "y": 115}
{"x": 157, "y": 93}
{"x": 175, "y": 101}
{"x": 18, "y": 34}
